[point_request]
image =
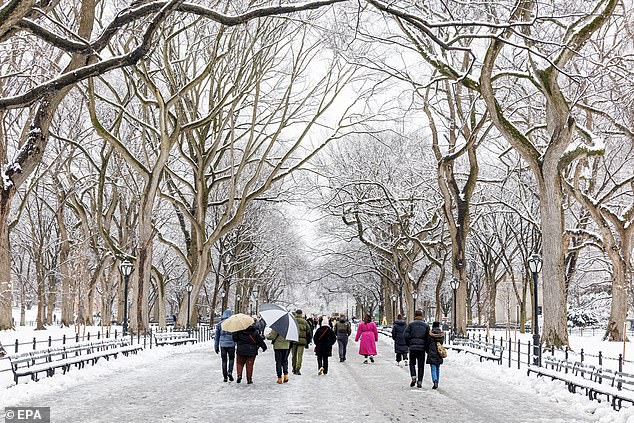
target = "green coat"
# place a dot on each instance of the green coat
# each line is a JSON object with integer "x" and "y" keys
{"x": 280, "y": 342}
{"x": 305, "y": 331}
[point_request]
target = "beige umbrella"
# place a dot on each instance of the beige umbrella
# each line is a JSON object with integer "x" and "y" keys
{"x": 237, "y": 322}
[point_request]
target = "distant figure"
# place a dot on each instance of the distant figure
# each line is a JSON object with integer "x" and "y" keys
{"x": 369, "y": 336}
{"x": 343, "y": 330}
{"x": 321, "y": 319}
{"x": 282, "y": 348}
{"x": 223, "y": 343}
{"x": 260, "y": 325}
{"x": 247, "y": 343}
{"x": 2, "y": 351}
{"x": 398, "y": 335}
{"x": 324, "y": 340}
{"x": 330, "y": 320}
{"x": 417, "y": 337}
{"x": 305, "y": 338}
{"x": 434, "y": 358}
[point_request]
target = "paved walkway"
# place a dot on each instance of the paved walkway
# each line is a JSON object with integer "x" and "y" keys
{"x": 187, "y": 386}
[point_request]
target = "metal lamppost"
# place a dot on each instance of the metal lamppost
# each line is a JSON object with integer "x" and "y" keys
{"x": 223, "y": 294}
{"x": 455, "y": 283}
{"x": 126, "y": 268}
{"x": 535, "y": 266}
{"x": 238, "y": 298}
{"x": 189, "y": 287}
{"x": 415, "y": 296}
{"x": 393, "y": 308}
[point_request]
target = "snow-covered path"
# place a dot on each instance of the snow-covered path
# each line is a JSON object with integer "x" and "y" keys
{"x": 184, "y": 384}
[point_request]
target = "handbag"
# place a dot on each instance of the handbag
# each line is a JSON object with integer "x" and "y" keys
{"x": 442, "y": 351}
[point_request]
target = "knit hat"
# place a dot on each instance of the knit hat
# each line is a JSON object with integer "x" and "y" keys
{"x": 298, "y": 312}
{"x": 435, "y": 325}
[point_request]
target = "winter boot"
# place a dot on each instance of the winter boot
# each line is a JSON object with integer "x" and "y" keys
{"x": 321, "y": 370}
{"x": 249, "y": 382}
{"x": 411, "y": 385}
{"x": 435, "y": 385}
{"x": 239, "y": 379}
{"x": 419, "y": 384}
{"x": 286, "y": 378}
{"x": 279, "y": 380}
{"x": 230, "y": 377}
{"x": 365, "y": 361}
{"x": 372, "y": 359}
{"x": 298, "y": 373}
{"x": 224, "y": 379}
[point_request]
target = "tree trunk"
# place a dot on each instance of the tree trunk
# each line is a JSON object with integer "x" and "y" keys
{"x": 6, "y": 321}
{"x": 618, "y": 308}
{"x": 493, "y": 292}
{"x": 52, "y": 289}
{"x": 555, "y": 330}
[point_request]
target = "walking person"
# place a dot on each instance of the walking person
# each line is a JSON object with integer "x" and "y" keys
{"x": 342, "y": 330}
{"x": 434, "y": 358}
{"x": 369, "y": 336}
{"x": 398, "y": 335}
{"x": 417, "y": 338}
{"x": 282, "y": 349}
{"x": 223, "y": 343}
{"x": 305, "y": 338}
{"x": 324, "y": 339}
{"x": 247, "y": 343}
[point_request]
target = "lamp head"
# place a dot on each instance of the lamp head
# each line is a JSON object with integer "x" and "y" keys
{"x": 455, "y": 283}
{"x": 126, "y": 267}
{"x": 415, "y": 295}
{"x": 190, "y": 287}
{"x": 535, "y": 263}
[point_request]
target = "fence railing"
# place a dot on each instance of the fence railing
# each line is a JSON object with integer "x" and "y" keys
{"x": 202, "y": 333}
{"x": 521, "y": 353}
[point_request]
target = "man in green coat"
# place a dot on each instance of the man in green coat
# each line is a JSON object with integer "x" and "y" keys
{"x": 282, "y": 348}
{"x": 305, "y": 338}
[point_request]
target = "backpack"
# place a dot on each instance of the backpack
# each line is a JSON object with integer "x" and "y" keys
{"x": 442, "y": 351}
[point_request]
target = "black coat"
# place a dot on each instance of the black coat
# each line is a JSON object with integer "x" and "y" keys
{"x": 433, "y": 357}
{"x": 247, "y": 342}
{"x": 324, "y": 339}
{"x": 398, "y": 335}
{"x": 417, "y": 335}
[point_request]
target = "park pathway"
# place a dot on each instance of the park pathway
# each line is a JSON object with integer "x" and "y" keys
{"x": 186, "y": 386}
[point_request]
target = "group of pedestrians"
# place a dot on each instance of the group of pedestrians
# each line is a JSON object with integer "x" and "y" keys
{"x": 413, "y": 342}
{"x": 417, "y": 340}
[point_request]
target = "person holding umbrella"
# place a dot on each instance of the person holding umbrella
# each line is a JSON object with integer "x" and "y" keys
{"x": 247, "y": 340}
{"x": 281, "y": 346}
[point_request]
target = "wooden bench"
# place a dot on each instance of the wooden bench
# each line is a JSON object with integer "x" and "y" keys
{"x": 596, "y": 381}
{"x": 484, "y": 350}
{"x": 33, "y": 363}
{"x": 173, "y": 338}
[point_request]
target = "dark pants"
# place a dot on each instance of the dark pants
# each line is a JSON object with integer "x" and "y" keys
{"x": 401, "y": 356}
{"x": 342, "y": 341}
{"x": 414, "y": 357}
{"x": 241, "y": 361}
{"x": 281, "y": 362}
{"x": 322, "y": 361}
{"x": 227, "y": 354}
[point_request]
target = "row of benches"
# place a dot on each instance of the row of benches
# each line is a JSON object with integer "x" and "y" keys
{"x": 596, "y": 381}
{"x": 484, "y": 350}
{"x": 48, "y": 360}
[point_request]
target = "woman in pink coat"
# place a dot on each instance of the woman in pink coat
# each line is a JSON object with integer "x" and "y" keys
{"x": 369, "y": 337}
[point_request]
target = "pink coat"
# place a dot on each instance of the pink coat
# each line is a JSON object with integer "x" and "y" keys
{"x": 369, "y": 336}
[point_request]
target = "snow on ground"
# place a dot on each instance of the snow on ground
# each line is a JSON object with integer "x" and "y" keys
{"x": 184, "y": 384}
{"x": 591, "y": 346}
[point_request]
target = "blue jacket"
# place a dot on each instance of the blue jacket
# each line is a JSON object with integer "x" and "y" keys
{"x": 223, "y": 338}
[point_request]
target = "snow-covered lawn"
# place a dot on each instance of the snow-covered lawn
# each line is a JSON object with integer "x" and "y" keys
{"x": 591, "y": 346}
{"x": 184, "y": 384}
